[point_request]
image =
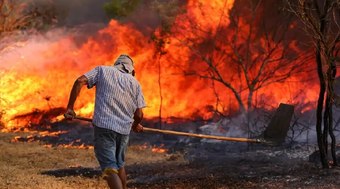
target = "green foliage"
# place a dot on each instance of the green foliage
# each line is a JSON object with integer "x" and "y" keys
{"x": 120, "y": 8}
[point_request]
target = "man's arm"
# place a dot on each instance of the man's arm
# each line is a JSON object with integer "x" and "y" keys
{"x": 78, "y": 84}
{"x": 138, "y": 116}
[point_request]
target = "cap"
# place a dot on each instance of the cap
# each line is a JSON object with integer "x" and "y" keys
{"x": 124, "y": 63}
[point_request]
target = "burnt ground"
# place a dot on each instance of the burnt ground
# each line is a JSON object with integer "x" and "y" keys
{"x": 199, "y": 163}
{"x": 253, "y": 169}
{"x": 235, "y": 165}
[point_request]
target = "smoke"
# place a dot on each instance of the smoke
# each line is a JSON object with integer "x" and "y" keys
{"x": 29, "y": 52}
{"x": 75, "y": 12}
{"x": 75, "y": 21}
{"x": 90, "y": 15}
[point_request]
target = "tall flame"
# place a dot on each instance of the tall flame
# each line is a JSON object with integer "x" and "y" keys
{"x": 38, "y": 74}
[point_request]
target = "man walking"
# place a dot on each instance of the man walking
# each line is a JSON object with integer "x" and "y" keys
{"x": 118, "y": 109}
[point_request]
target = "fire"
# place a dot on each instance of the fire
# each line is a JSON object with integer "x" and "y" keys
{"x": 36, "y": 136}
{"x": 154, "y": 148}
{"x": 159, "y": 149}
{"x": 38, "y": 74}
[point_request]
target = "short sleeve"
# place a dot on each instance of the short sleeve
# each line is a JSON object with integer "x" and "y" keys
{"x": 92, "y": 77}
{"x": 140, "y": 98}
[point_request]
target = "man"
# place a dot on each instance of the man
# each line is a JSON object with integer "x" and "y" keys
{"x": 118, "y": 109}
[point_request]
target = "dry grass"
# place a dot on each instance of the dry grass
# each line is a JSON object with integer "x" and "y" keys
{"x": 31, "y": 165}
{"x": 22, "y": 164}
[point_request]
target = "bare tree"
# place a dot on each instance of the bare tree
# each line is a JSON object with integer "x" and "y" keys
{"x": 321, "y": 21}
{"x": 243, "y": 52}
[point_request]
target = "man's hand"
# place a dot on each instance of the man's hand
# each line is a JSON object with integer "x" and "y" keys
{"x": 138, "y": 128}
{"x": 78, "y": 84}
{"x": 69, "y": 114}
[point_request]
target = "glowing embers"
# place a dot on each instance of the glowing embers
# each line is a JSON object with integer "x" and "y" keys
{"x": 159, "y": 149}
{"x": 153, "y": 148}
{"x": 49, "y": 139}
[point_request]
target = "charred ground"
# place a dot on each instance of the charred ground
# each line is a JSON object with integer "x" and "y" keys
{"x": 188, "y": 163}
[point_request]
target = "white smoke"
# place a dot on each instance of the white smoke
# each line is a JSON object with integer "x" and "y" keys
{"x": 25, "y": 52}
{"x": 76, "y": 21}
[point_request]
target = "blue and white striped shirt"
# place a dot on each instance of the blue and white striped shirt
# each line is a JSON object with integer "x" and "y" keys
{"x": 118, "y": 95}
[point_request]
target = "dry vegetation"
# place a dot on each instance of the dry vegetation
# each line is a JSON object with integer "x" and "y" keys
{"x": 199, "y": 166}
{"x": 35, "y": 166}
{"x": 21, "y": 165}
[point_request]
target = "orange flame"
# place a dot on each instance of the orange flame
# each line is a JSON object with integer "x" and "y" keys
{"x": 159, "y": 149}
{"x": 39, "y": 73}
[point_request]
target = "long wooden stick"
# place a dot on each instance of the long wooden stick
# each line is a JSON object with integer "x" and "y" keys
{"x": 202, "y": 135}
{"x": 83, "y": 118}
{"x": 147, "y": 129}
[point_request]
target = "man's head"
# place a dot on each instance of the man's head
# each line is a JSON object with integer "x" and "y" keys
{"x": 124, "y": 63}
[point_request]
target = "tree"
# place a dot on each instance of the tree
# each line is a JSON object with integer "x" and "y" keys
{"x": 321, "y": 20}
{"x": 241, "y": 50}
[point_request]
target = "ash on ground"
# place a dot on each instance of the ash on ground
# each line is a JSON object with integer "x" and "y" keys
{"x": 205, "y": 163}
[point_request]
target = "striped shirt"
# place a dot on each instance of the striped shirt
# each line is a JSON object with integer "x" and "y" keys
{"x": 118, "y": 95}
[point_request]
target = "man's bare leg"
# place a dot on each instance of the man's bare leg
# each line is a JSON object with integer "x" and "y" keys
{"x": 113, "y": 181}
{"x": 122, "y": 176}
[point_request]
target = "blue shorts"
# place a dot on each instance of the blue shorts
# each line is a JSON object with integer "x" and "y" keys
{"x": 109, "y": 148}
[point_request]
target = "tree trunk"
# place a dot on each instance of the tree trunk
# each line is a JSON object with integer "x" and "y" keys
{"x": 250, "y": 99}
{"x": 326, "y": 125}
{"x": 160, "y": 92}
{"x": 249, "y": 106}
{"x": 331, "y": 77}
{"x": 331, "y": 134}
{"x": 319, "y": 110}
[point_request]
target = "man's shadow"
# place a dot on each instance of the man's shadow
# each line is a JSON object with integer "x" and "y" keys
{"x": 74, "y": 171}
